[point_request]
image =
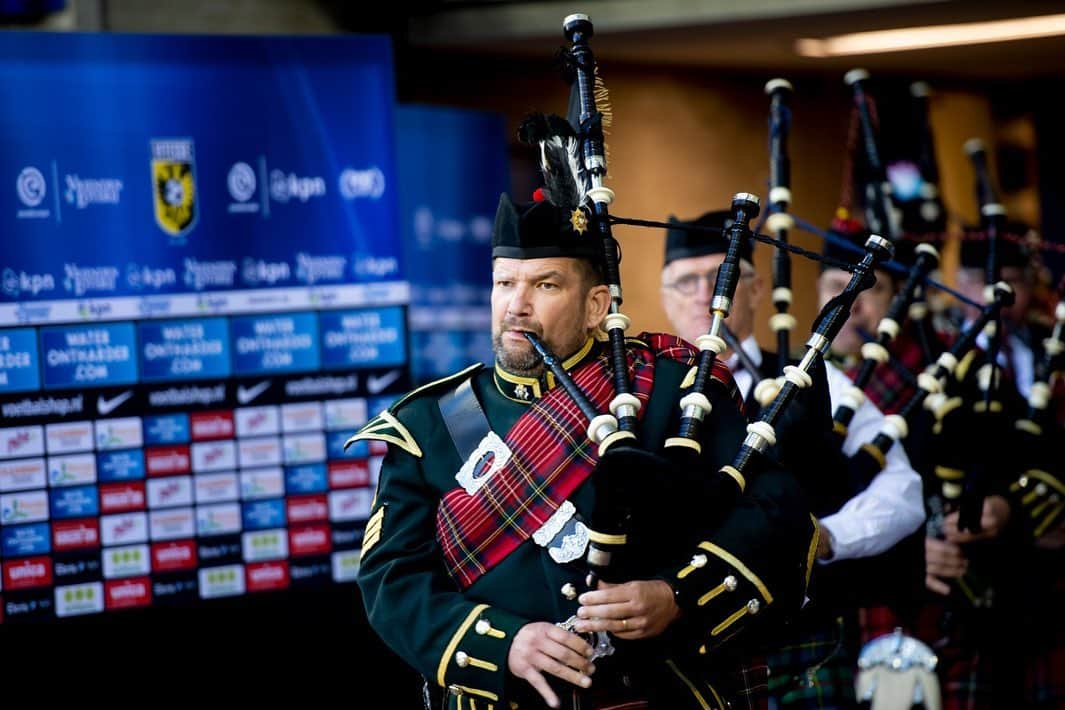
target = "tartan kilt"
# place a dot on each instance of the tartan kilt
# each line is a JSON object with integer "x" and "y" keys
{"x": 965, "y": 663}
{"x": 876, "y": 621}
{"x": 721, "y": 685}
{"x": 648, "y": 685}
{"x": 815, "y": 668}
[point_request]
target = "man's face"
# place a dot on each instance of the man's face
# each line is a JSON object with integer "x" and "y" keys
{"x": 868, "y": 309}
{"x": 688, "y": 287}
{"x": 551, "y": 298}
{"x": 971, "y": 285}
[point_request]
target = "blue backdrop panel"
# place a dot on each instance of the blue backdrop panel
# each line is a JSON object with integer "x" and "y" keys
{"x": 453, "y": 167}
{"x": 182, "y": 164}
{"x": 202, "y": 296}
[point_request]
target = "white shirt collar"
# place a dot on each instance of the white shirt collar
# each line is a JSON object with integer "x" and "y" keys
{"x": 750, "y": 346}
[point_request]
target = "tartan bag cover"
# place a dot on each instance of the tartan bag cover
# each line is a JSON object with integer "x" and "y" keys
{"x": 551, "y": 456}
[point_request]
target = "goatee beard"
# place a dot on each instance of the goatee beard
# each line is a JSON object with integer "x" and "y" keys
{"x": 525, "y": 363}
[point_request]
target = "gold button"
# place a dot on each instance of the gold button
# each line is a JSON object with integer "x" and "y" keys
{"x": 463, "y": 659}
{"x": 482, "y": 626}
{"x": 730, "y": 583}
{"x": 698, "y": 561}
{"x": 569, "y": 591}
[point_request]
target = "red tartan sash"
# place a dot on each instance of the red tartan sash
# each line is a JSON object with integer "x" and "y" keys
{"x": 551, "y": 456}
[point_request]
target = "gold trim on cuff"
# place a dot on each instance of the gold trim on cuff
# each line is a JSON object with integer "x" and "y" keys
{"x": 740, "y": 567}
{"x": 1046, "y": 478}
{"x": 1050, "y": 518}
{"x": 732, "y": 619}
{"x": 474, "y": 691}
{"x": 449, "y": 650}
{"x": 711, "y": 594}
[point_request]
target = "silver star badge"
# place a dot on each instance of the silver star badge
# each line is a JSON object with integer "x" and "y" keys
{"x": 522, "y": 391}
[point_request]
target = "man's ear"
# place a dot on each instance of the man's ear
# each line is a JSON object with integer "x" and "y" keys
{"x": 598, "y": 305}
{"x": 757, "y": 289}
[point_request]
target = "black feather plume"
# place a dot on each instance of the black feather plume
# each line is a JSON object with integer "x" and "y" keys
{"x": 565, "y": 181}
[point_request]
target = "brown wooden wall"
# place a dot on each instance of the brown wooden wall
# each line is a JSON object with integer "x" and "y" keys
{"x": 683, "y": 141}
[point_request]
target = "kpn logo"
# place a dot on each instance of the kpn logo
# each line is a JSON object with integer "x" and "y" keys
{"x": 174, "y": 186}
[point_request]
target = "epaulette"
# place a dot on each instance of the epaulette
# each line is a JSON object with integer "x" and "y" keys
{"x": 386, "y": 427}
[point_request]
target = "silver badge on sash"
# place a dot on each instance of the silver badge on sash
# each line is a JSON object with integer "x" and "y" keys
{"x": 490, "y": 455}
{"x": 565, "y": 537}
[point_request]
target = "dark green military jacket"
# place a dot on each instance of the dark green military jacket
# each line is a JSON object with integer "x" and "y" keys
{"x": 727, "y": 573}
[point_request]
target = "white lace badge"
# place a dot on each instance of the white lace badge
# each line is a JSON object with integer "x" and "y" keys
{"x": 490, "y": 455}
{"x": 565, "y": 537}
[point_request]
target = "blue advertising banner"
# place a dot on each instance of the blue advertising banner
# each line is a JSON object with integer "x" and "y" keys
{"x": 89, "y": 356}
{"x": 281, "y": 343}
{"x": 120, "y": 465}
{"x": 166, "y": 429}
{"x": 453, "y": 166}
{"x": 25, "y": 540}
{"x": 363, "y": 338}
{"x": 76, "y": 502}
{"x": 201, "y": 292}
{"x": 184, "y": 350}
{"x": 18, "y": 360}
{"x": 172, "y": 165}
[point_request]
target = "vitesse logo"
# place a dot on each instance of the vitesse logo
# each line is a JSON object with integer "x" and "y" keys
{"x": 174, "y": 185}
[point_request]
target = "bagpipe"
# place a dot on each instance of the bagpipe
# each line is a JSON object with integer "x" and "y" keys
{"x": 876, "y": 353}
{"x": 623, "y": 461}
{"x": 987, "y": 415}
{"x": 930, "y": 220}
{"x": 1039, "y": 489}
{"x": 779, "y": 221}
{"x": 908, "y": 301}
{"x": 870, "y": 458}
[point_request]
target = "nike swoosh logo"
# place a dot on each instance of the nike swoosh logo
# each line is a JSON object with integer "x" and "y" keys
{"x": 375, "y": 385}
{"x": 246, "y": 395}
{"x": 106, "y": 406}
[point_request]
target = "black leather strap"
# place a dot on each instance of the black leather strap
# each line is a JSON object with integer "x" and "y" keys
{"x": 464, "y": 418}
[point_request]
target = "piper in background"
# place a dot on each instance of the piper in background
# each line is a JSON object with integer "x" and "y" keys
{"x": 815, "y": 665}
